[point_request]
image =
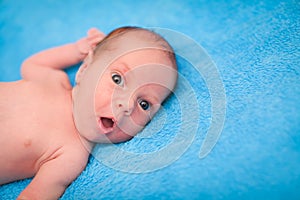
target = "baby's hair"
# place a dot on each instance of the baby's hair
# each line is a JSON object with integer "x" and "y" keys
{"x": 158, "y": 39}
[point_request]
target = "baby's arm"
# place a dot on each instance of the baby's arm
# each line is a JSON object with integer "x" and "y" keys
{"x": 54, "y": 176}
{"x": 61, "y": 57}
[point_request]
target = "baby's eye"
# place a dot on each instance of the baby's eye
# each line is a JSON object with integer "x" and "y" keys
{"x": 144, "y": 104}
{"x": 117, "y": 79}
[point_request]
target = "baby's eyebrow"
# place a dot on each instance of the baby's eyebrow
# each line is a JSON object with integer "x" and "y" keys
{"x": 153, "y": 99}
{"x": 124, "y": 67}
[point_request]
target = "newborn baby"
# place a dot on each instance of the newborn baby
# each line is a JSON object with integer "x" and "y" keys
{"x": 49, "y": 128}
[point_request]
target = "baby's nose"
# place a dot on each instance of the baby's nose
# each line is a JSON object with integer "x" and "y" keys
{"x": 125, "y": 106}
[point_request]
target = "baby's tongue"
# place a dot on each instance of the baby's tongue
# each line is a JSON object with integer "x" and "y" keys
{"x": 107, "y": 122}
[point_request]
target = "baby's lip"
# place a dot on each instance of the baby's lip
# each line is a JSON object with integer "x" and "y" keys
{"x": 107, "y": 124}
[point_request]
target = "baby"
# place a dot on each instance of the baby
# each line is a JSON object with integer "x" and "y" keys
{"x": 49, "y": 128}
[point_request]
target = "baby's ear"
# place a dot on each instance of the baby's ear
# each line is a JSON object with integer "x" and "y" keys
{"x": 81, "y": 71}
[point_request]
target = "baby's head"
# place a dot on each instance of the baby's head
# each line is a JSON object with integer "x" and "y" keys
{"x": 128, "y": 76}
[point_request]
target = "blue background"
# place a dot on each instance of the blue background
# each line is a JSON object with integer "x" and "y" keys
{"x": 255, "y": 45}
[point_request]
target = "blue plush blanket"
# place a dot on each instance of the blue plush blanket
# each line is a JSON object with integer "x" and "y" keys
{"x": 251, "y": 69}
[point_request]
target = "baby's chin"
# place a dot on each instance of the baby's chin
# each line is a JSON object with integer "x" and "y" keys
{"x": 114, "y": 138}
{"x": 111, "y": 135}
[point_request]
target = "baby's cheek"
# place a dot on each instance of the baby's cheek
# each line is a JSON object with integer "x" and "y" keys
{"x": 104, "y": 94}
{"x": 140, "y": 118}
{"x": 133, "y": 124}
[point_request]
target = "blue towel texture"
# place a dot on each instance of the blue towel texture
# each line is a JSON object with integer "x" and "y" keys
{"x": 231, "y": 130}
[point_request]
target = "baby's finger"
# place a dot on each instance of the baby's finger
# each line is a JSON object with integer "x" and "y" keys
{"x": 94, "y": 37}
{"x": 95, "y": 41}
{"x": 93, "y": 31}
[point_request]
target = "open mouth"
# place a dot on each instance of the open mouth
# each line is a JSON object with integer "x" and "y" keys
{"x": 106, "y": 124}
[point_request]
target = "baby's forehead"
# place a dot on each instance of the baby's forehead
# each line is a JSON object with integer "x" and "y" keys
{"x": 143, "y": 45}
{"x": 143, "y": 59}
{"x": 139, "y": 39}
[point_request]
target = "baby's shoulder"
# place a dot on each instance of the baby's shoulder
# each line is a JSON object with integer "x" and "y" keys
{"x": 76, "y": 156}
{"x": 62, "y": 168}
{"x": 46, "y": 75}
{"x": 57, "y": 78}
{"x": 60, "y": 77}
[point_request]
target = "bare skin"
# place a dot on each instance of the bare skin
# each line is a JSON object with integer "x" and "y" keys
{"x": 45, "y": 144}
{"x": 38, "y": 135}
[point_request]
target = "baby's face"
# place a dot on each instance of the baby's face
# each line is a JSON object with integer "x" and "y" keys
{"x": 129, "y": 93}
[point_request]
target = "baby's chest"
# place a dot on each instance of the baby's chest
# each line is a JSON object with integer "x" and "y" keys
{"x": 30, "y": 108}
{"x": 25, "y": 115}
{"x": 29, "y": 120}
{"x": 30, "y": 142}
{"x": 26, "y": 130}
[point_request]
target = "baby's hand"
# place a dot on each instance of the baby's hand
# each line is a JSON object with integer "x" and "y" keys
{"x": 86, "y": 44}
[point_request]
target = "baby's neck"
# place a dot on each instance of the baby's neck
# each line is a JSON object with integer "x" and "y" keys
{"x": 85, "y": 142}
